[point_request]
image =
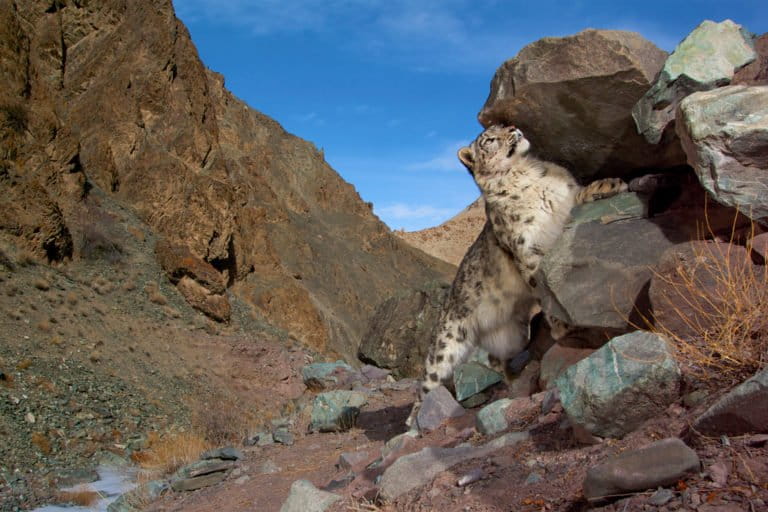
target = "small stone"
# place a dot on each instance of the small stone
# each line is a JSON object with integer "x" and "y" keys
{"x": 198, "y": 482}
{"x": 204, "y": 467}
{"x": 472, "y": 378}
{"x": 438, "y": 406}
{"x": 371, "y": 372}
{"x": 226, "y": 453}
{"x": 305, "y": 497}
{"x": 493, "y": 417}
{"x": 533, "y": 478}
{"x": 694, "y": 398}
{"x": 261, "y": 439}
{"x": 661, "y": 497}
{"x": 29, "y": 418}
{"x": 398, "y": 442}
{"x": 268, "y": 467}
{"x": 742, "y": 410}
{"x": 718, "y": 472}
{"x": 415, "y": 469}
{"x": 658, "y": 464}
{"x": 470, "y": 477}
{"x": 72, "y": 477}
{"x": 320, "y": 376}
{"x": 336, "y": 411}
{"x": 283, "y": 436}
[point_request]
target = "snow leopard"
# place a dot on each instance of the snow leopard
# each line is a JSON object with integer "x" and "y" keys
{"x": 491, "y": 301}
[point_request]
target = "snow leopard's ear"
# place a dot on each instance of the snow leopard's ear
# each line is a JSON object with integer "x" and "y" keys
{"x": 467, "y": 157}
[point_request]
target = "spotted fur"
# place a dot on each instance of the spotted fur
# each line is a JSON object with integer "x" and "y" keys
{"x": 528, "y": 201}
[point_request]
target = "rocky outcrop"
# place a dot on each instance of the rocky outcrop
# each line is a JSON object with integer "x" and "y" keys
{"x": 572, "y": 97}
{"x": 112, "y": 98}
{"x": 724, "y": 132}
{"x": 631, "y": 379}
{"x": 707, "y": 58}
{"x": 400, "y": 331}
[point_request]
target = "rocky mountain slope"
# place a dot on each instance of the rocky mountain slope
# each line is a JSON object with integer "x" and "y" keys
{"x": 450, "y": 240}
{"x": 112, "y": 96}
{"x": 164, "y": 248}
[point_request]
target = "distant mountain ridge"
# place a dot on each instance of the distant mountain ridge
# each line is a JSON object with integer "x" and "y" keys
{"x": 450, "y": 240}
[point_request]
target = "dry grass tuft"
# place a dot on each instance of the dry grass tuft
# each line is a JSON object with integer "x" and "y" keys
{"x": 222, "y": 419}
{"x": 42, "y": 284}
{"x": 165, "y": 455}
{"x": 82, "y": 498}
{"x": 41, "y": 442}
{"x": 154, "y": 294}
{"x": 721, "y": 300}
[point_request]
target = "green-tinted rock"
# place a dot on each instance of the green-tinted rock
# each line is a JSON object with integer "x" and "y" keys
{"x": 725, "y": 135}
{"x": 492, "y": 418}
{"x": 632, "y": 378}
{"x": 336, "y": 411}
{"x": 322, "y": 375}
{"x": 472, "y": 378}
{"x": 707, "y": 58}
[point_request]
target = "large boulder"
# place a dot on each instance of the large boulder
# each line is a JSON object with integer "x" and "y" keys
{"x": 707, "y": 58}
{"x": 597, "y": 274}
{"x": 400, "y": 331}
{"x": 572, "y": 97}
{"x": 724, "y": 133}
{"x": 613, "y": 391}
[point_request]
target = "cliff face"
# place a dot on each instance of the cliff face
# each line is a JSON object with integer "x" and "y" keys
{"x": 111, "y": 97}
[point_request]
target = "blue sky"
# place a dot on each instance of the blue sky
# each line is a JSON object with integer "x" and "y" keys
{"x": 390, "y": 89}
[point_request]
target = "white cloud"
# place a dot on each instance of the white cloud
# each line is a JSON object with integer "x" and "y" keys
{"x": 445, "y": 160}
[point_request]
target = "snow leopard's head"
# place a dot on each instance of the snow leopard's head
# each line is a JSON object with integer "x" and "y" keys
{"x": 489, "y": 152}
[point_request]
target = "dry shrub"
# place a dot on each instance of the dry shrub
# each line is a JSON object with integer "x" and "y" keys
{"x": 98, "y": 240}
{"x": 165, "y": 455}
{"x": 41, "y": 442}
{"x": 42, "y": 284}
{"x": 102, "y": 286}
{"x": 72, "y": 298}
{"x": 721, "y": 300}
{"x": 82, "y": 498}
{"x": 153, "y": 293}
{"x": 222, "y": 419}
